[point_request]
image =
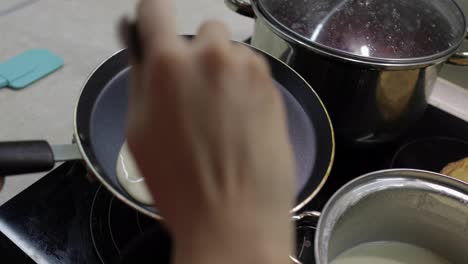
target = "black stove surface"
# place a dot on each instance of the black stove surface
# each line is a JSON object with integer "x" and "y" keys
{"x": 66, "y": 218}
{"x": 120, "y": 233}
{"x": 435, "y": 126}
{"x": 49, "y": 221}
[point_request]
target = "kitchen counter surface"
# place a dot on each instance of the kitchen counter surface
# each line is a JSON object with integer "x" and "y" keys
{"x": 83, "y": 32}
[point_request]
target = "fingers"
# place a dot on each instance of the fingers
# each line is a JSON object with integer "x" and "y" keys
{"x": 213, "y": 36}
{"x": 213, "y": 48}
{"x": 157, "y": 23}
{"x": 255, "y": 63}
{"x": 254, "y": 66}
{"x": 212, "y": 31}
{"x": 168, "y": 70}
{"x": 162, "y": 49}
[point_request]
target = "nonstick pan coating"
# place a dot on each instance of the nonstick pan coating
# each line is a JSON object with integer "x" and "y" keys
{"x": 101, "y": 120}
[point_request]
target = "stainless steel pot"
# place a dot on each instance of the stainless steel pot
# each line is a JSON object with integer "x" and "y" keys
{"x": 373, "y": 63}
{"x": 410, "y": 206}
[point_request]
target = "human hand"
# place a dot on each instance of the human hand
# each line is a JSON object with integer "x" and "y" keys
{"x": 208, "y": 130}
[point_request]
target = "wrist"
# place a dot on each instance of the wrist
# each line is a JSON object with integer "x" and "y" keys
{"x": 239, "y": 242}
{"x": 210, "y": 252}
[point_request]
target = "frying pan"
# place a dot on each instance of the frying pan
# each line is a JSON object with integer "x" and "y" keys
{"x": 100, "y": 120}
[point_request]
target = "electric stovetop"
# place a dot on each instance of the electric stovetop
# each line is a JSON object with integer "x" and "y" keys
{"x": 67, "y": 217}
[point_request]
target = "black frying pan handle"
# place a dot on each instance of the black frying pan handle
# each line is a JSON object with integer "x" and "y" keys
{"x": 25, "y": 157}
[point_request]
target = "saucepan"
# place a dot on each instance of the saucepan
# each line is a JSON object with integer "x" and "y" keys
{"x": 422, "y": 212}
{"x": 374, "y": 63}
{"x": 100, "y": 120}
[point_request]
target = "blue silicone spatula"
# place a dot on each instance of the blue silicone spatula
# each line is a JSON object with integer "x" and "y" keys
{"x": 28, "y": 67}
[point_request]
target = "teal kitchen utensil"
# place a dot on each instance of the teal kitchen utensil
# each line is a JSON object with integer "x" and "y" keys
{"x": 28, "y": 67}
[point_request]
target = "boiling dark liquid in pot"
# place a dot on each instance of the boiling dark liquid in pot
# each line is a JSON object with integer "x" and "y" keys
{"x": 372, "y": 28}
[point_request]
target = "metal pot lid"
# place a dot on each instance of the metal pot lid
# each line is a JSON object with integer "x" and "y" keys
{"x": 390, "y": 31}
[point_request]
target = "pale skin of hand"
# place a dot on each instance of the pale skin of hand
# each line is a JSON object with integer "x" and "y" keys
{"x": 208, "y": 130}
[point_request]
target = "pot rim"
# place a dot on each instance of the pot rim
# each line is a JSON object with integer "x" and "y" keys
{"x": 422, "y": 175}
{"x": 284, "y": 32}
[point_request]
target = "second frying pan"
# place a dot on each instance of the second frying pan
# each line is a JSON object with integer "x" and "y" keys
{"x": 100, "y": 120}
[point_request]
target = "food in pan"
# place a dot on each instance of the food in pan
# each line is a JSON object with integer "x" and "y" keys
{"x": 130, "y": 177}
{"x": 457, "y": 169}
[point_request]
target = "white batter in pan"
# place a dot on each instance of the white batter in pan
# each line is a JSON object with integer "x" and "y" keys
{"x": 130, "y": 177}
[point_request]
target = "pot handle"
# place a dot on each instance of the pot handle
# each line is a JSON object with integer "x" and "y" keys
{"x": 459, "y": 58}
{"x": 307, "y": 218}
{"x": 22, "y": 157}
{"x": 242, "y": 7}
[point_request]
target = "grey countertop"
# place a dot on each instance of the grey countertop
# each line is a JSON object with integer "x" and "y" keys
{"x": 83, "y": 32}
